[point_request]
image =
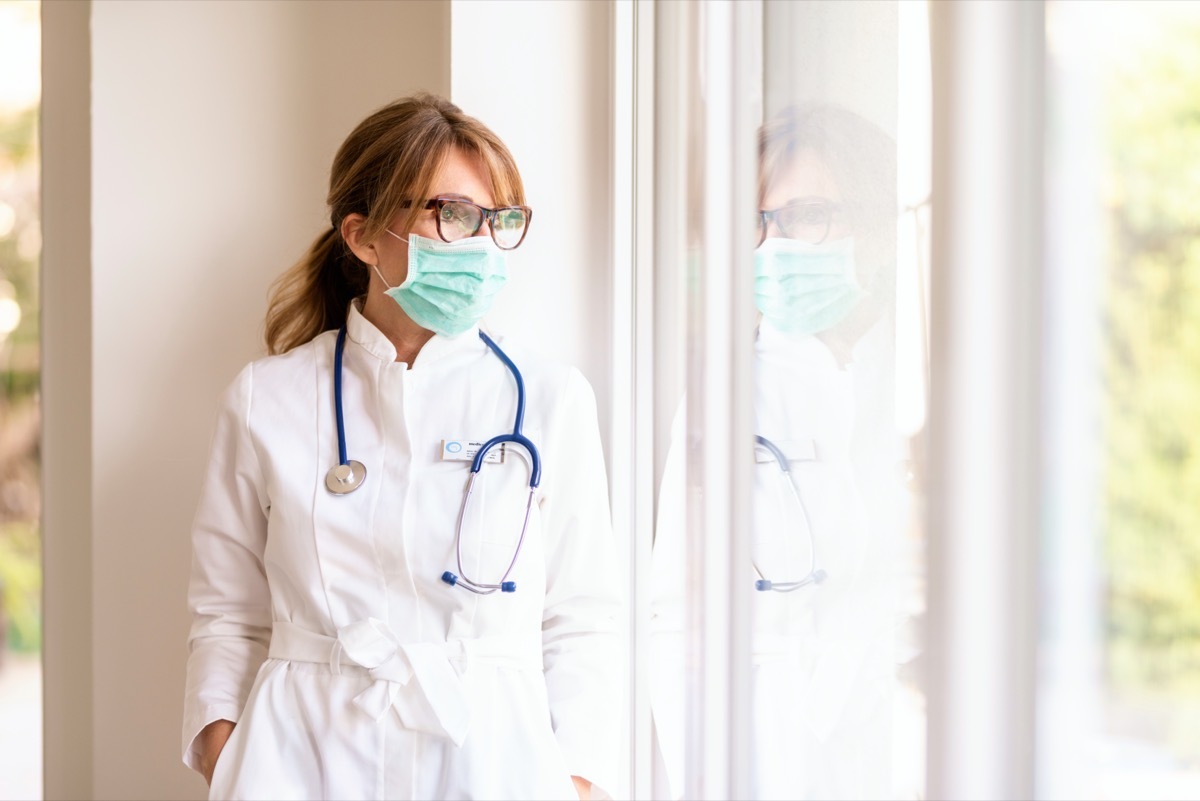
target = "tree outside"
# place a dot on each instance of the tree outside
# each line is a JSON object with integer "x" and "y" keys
{"x": 20, "y": 248}
{"x": 20, "y": 422}
{"x": 1151, "y": 494}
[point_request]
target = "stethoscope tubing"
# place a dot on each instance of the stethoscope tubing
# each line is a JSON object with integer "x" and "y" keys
{"x": 814, "y": 575}
{"x": 353, "y": 480}
{"x": 516, "y": 437}
{"x": 337, "y": 394}
{"x": 535, "y": 478}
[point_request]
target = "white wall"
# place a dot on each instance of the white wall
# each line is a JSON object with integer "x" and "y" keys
{"x": 213, "y": 128}
{"x": 538, "y": 74}
{"x": 844, "y": 53}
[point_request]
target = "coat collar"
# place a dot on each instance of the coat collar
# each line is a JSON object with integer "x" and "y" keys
{"x": 796, "y": 349}
{"x": 363, "y": 332}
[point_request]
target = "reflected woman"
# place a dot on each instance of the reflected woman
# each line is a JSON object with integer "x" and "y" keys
{"x": 821, "y": 534}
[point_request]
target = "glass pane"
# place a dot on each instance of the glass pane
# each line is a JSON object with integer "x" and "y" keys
{"x": 838, "y": 260}
{"x": 839, "y": 402}
{"x": 1119, "y": 694}
{"x": 20, "y": 426}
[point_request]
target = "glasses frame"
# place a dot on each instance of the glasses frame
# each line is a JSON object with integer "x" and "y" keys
{"x": 767, "y": 216}
{"x": 487, "y": 215}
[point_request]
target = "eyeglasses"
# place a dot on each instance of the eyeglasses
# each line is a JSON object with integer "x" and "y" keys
{"x": 806, "y": 220}
{"x": 458, "y": 219}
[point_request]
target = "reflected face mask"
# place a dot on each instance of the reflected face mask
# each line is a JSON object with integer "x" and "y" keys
{"x": 450, "y": 285}
{"x": 805, "y": 289}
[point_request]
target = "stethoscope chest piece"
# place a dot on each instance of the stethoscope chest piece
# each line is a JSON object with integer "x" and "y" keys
{"x": 344, "y": 478}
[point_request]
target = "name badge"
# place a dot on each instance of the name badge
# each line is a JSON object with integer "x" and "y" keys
{"x": 462, "y": 450}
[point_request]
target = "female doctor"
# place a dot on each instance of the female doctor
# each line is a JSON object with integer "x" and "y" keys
{"x": 383, "y": 605}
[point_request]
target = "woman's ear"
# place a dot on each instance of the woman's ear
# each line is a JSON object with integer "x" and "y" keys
{"x": 351, "y": 230}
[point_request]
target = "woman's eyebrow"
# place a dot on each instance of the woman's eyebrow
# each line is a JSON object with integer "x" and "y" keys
{"x": 808, "y": 199}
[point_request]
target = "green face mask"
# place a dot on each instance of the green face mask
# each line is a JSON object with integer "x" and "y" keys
{"x": 450, "y": 285}
{"x": 805, "y": 289}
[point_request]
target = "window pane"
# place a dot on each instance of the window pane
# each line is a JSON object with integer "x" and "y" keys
{"x": 840, "y": 397}
{"x": 20, "y": 424}
{"x": 1120, "y": 688}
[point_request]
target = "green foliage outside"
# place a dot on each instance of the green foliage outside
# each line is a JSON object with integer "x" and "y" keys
{"x": 20, "y": 423}
{"x": 1152, "y": 370}
{"x": 18, "y": 259}
{"x": 21, "y": 585}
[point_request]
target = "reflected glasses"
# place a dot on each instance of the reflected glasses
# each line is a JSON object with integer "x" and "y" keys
{"x": 806, "y": 220}
{"x": 458, "y": 219}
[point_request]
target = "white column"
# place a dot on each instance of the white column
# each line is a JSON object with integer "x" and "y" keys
{"x": 985, "y": 470}
{"x": 634, "y": 400}
{"x": 709, "y": 74}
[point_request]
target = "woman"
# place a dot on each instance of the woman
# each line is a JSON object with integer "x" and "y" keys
{"x": 821, "y": 595}
{"x": 348, "y": 639}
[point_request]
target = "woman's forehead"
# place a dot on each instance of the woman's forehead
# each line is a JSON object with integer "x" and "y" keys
{"x": 463, "y": 174}
{"x": 803, "y": 175}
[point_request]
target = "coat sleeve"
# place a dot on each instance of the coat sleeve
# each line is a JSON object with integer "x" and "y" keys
{"x": 581, "y": 648}
{"x": 227, "y": 594}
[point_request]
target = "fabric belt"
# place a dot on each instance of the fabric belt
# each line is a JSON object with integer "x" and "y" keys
{"x": 421, "y": 681}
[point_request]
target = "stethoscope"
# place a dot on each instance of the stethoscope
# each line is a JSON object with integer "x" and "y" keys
{"x": 347, "y": 475}
{"x": 815, "y": 575}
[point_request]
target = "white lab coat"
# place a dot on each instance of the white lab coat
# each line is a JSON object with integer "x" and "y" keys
{"x": 822, "y": 656}
{"x": 321, "y": 624}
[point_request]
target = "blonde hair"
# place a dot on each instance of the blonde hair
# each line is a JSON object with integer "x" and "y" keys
{"x": 859, "y": 155}
{"x": 390, "y": 159}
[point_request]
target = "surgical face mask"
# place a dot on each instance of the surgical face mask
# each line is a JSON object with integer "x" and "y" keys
{"x": 450, "y": 285}
{"x": 805, "y": 289}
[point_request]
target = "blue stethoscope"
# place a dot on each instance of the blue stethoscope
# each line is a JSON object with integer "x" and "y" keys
{"x": 815, "y": 575}
{"x": 347, "y": 475}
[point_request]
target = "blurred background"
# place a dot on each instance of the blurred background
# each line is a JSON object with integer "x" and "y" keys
{"x": 177, "y": 112}
{"x": 20, "y": 421}
{"x": 1122, "y": 159}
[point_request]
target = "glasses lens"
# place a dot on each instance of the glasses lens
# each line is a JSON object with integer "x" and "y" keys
{"x": 458, "y": 220}
{"x": 805, "y": 221}
{"x": 509, "y": 226}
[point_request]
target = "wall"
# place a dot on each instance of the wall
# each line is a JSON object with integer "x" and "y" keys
{"x": 547, "y": 96}
{"x": 212, "y": 129}
{"x": 843, "y": 53}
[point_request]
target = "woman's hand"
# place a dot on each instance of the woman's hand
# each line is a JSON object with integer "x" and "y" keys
{"x": 583, "y": 787}
{"x": 212, "y": 742}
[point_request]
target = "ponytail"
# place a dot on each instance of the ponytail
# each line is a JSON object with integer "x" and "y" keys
{"x": 313, "y": 295}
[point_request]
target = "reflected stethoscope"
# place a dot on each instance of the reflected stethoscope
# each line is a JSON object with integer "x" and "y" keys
{"x": 815, "y": 575}
{"x": 347, "y": 475}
